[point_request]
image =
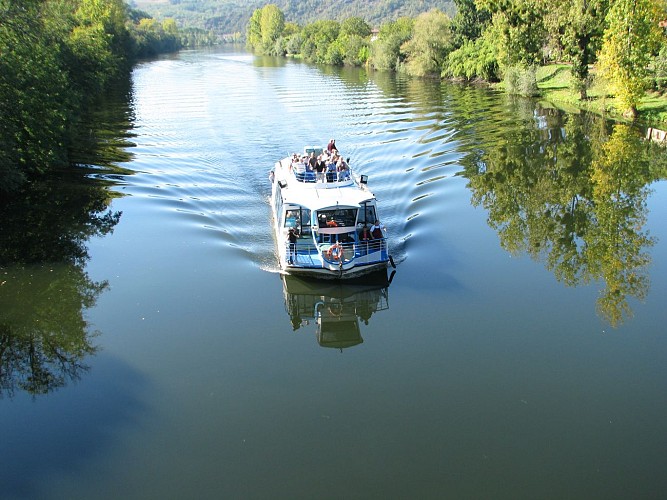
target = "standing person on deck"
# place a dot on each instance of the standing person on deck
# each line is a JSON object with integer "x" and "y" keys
{"x": 312, "y": 162}
{"x": 292, "y": 237}
{"x": 320, "y": 168}
{"x": 378, "y": 230}
{"x": 331, "y": 147}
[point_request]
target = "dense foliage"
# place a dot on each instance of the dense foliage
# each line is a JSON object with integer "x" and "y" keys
{"x": 56, "y": 55}
{"x": 631, "y": 38}
{"x": 491, "y": 40}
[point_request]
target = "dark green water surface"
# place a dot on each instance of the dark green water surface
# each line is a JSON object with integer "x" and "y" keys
{"x": 149, "y": 347}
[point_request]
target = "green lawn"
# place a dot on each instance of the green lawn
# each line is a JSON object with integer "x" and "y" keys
{"x": 554, "y": 83}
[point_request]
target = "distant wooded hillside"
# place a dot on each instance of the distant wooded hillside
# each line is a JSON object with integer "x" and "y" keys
{"x": 231, "y": 16}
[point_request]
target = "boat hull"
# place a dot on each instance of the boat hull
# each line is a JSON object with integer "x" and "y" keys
{"x": 350, "y": 273}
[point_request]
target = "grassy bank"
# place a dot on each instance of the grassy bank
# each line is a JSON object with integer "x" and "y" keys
{"x": 554, "y": 83}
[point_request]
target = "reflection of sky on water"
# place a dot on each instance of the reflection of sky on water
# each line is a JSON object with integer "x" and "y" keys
{"x": 64, "y": 433}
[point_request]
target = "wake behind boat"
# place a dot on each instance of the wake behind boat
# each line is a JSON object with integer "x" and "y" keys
{"x": 325, "y": 218}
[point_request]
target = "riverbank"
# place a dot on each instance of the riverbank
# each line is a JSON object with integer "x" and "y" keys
{"x": 554, "y": 84}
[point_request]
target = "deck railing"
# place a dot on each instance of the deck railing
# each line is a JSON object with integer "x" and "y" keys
{"x": 330, "y": 176}
{"x": 307, "y": 249}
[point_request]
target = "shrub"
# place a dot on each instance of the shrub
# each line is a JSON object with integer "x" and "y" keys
{"x": 521, "y": 80}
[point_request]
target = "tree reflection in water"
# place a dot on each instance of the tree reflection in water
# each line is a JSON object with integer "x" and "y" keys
{"x": 44, "y": 289}
{"x": 571, "y": 191}
{"x": 335, "y": 308}
{"x": 44, "y": 338}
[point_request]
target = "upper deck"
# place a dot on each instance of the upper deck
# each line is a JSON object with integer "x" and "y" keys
{"x": 302, "y": 187}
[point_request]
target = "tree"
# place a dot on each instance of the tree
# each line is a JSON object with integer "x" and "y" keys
{"x": 35, "y": 100}
{"x": 579, "y": 25}
{"x": 355, "y": 49}
{"x": 254, "y": 30}
{"x": 317, "y": 37}
{"x": 386, "y": 50}
{"x": 469, "y": 22}
{"x": 474, "y": 59}
{"x": 632, "y": 36}
{"x": 264, "y": 28}
{"x": 355, "y": 26}
{"x": 272, "y": 23}
{"x": 56, "y": 56}
{"x": 517, "y": 27}
{"x": 430, "y": 44}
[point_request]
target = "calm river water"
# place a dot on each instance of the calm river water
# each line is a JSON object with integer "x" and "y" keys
{"x": 151, "y": 349}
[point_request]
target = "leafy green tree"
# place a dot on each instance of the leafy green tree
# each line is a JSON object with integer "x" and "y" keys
{"x": 355, "y": 50}
{"x": 578, "y": 26}
{"x": 469, "y": 22}
{"x": 518, "y": 30}
{"x": 293, "y": 43}
{"x": 151, "y": 37}
{"x": 431, "y": 42}
{"x": 632, "y": 36}
{"x": 335, "y": 53}
{"x": 254, "y": 30}
{"x": 318, "y": 36}
{"x": 272, "y": 24}
{"x": 386, "y": 50}
{"x": 264, "y": 29}
{"x": 56, "y": 56}
{"x": 474, "y": 59}
{"x": 105, "y": 22}
{"x": 355, "y": 26}
{"x": 35, "y": 100}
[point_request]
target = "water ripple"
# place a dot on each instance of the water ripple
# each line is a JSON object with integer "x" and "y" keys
{"x": 210, "y": 128}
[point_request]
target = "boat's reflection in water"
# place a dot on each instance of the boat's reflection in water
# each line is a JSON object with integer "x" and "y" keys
{"x": 335, "y": 308}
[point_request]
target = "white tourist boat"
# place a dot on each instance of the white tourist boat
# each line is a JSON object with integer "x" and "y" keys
{"x": 329, "y": 215}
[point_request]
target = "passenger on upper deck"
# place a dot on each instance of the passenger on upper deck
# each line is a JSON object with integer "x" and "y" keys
{"x": 342, "y": 168}
{"x": 331, "y": 172}
{"x": 331, "y": 147}
{"x": 312, "y": 162}
{"x": 320, "y": 167}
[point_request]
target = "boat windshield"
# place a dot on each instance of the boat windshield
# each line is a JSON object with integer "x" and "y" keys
{"x": 339, "y": 217}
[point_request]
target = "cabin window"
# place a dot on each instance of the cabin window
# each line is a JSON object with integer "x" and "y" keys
{"x": 293, "y": 218}
{"x": 298, "y": 218}
{"x": 340, "y": 217}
